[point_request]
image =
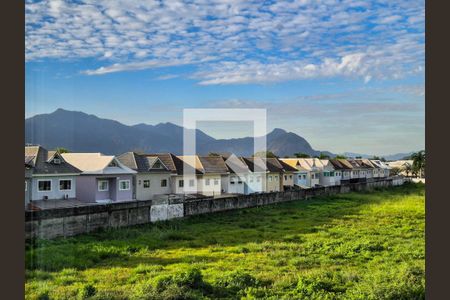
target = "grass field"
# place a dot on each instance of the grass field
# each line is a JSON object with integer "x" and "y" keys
{"x": 349, "y": 246}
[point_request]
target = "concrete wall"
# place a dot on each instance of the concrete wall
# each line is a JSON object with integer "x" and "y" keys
{"x": 64, "y": 222}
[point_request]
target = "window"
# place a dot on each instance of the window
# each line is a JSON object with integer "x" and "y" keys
{"x": 26, "y": 186}
{"x": 270, "y": 178}
{"x": 276, "y": 177}
{"x": 181, "y": 183}
{"x": 191, "y": 182}
{"x": 290, "y": 176}
{"x": 157, "y": 165}
{"x": 103, "y": 185}
{"x": 304, "y": 176}
{"x": 57, "y": 161}
{"x": 146, "y": 184}
{"x": 231, "y": 182}
{"x": 112, "y": 164}
{"x": 216, "y": 181}
{"x": 207, "y": 181}
{"x": 331, "y": 173}
{"x": 44, "y": 185}
{"x": 163, "y": 182}
{"x": 65, "y": 185}
{"x": 124, "y": 185}
{"x": 285, "y": 177}
{"x": 299, "y": 176}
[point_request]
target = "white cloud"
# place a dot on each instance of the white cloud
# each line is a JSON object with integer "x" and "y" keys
{"x": 251, "y": 41}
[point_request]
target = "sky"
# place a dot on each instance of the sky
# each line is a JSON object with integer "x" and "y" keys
{"x": 345, "y": 75}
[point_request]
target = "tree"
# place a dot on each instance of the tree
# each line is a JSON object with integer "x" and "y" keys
{"x": 341, "y": 156}
{"x": 323, "y": 156}
{"x": 408, "y": 169}
{"x": 418, "y": 165}
{"x": 265, "y": 154}
{"x": 395, "y": 171}
{"x": 62, "y": 150}
{"x": 358, "y": 157}
{"x": 301, "y": 155}
{"x": 213, "y": 154}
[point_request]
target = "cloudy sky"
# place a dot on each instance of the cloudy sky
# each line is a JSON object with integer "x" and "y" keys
{"x": 346, "y": 75}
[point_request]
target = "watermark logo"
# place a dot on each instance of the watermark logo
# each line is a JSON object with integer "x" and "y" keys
{"x": 247, "y": 174}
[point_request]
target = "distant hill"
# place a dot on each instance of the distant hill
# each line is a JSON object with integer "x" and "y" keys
{"x": 81, "y": 132}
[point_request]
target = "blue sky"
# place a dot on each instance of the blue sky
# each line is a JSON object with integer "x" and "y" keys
{"x": 346, "y": 75}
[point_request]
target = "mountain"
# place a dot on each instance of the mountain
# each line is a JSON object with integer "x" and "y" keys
{"x": 388, "y": 157}
{"x": 81, "y": 132}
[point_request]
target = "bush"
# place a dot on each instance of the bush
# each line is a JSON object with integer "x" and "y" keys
{"x": 87, "y": 291}
{"x": 237, "y": 281}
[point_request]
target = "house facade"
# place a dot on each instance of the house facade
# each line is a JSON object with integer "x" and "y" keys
{"x": 48, "y": 176}
{"x": 103, "y": 179}
{"x": 239, "y": 175}
{"x": 327, "y": 176}
{"x": 257, "y": 179}
{"x": 385, "y": 168}
{"x": 153, "y": 177}
{"x": 213, "y": 170}
{"x": 308, "y": 174}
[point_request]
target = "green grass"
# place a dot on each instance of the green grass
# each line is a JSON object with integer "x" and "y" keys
{"x": 349, "y": 246}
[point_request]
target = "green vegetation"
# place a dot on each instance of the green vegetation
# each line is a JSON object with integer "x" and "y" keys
{"x": 349, "y": 246}
{"x": 302, "y": 155}
{"x": 268, "y": 154}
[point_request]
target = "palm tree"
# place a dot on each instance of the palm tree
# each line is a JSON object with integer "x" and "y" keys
{"x": 418, "y": 162}
{"x": 408, "y": 169}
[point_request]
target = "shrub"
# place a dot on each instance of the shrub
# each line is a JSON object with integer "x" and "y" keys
{"x": 87, "y": 291}
{"x": 237, "y": 281}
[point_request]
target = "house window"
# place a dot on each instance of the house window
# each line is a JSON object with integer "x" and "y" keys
{"x": 163, "y": 182}
{"x": 124, "y": 185}
{"x": 231, "y": 182}
{"x": 276, "y": 177}
{"x": 146, "y": 184}
{"x": 112, "y": 164}
{"x": 181, "y": 183}
{"x": 157, "y": 165}
{"x": 103, "y": 185}
{"x": 290, "y": 176}
{"x": 191, "y": 182}
{"x": 331, "y": 173}
{"x": 65, "y": 185}
{"x": 270, "y": 178}
{"x": 216, "y": 181}
{"x": 285, "y": 177}
{"x": 207, "y": 181}
{"x": 304, "y": 176}
{"x": 44, "y": 185}
{"x": 57, "y": 161}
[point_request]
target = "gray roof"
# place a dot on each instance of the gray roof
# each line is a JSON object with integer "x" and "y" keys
{"x": 41, "y": 162}
{"x": 213, "y": 164}
{"x": 143, "y": 163}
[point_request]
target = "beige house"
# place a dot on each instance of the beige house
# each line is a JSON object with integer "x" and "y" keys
{"x": 153, "y": 176}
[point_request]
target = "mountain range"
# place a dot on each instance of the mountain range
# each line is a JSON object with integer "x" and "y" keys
{"x": 81, "y": 132}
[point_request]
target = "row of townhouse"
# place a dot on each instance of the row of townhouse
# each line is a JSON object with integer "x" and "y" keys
{"x": 94, "y": 177}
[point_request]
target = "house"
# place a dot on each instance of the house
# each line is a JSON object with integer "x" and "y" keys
{"x": 257, "y": 179}
{"x": 238, "y": 180}
{"x": 368, "y": 168}
{"x": 384, "y": 166}
{"x": 103, "y": 179}
{"x": 308, "y": 173}
{"x": 273, "y": 175}
{"x": 358, "y": 172}
{"x": 48, "y": 176}
{"x": 327, "y": 176}
{"x": 152, "y": 176}
{"x": 213, "y": 170}
{"x": 289, "y": 175}
{"x": 187, "y": 183}
{"x": 342, "y": 171}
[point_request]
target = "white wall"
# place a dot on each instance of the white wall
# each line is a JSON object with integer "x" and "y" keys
{"x": 214, "y": 186}
{"x": 155, "y": 188}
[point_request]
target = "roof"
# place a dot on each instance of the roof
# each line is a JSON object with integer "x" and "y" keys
{"x": 273, "y": 164}
{"x": 235, "y": 164}
{"x": 213, "y": 164}
{"x": 354, "y": 164}
{"x": 96, "y": 163}
{"x": 255, "y": 164}
{"x": 380, "y": 164}
{"x": 41, "y": 161}
{"x": 142, "y": 163}
{"x": 295, "y": 163}
{"x": 311, "y": 164}
{"x": 339, "y": 165}
{"x": 191, "y": 163}
{"x": 346, "y": 164}
{"x": 366, "y": 163}
{"x": 286, "y": 167}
